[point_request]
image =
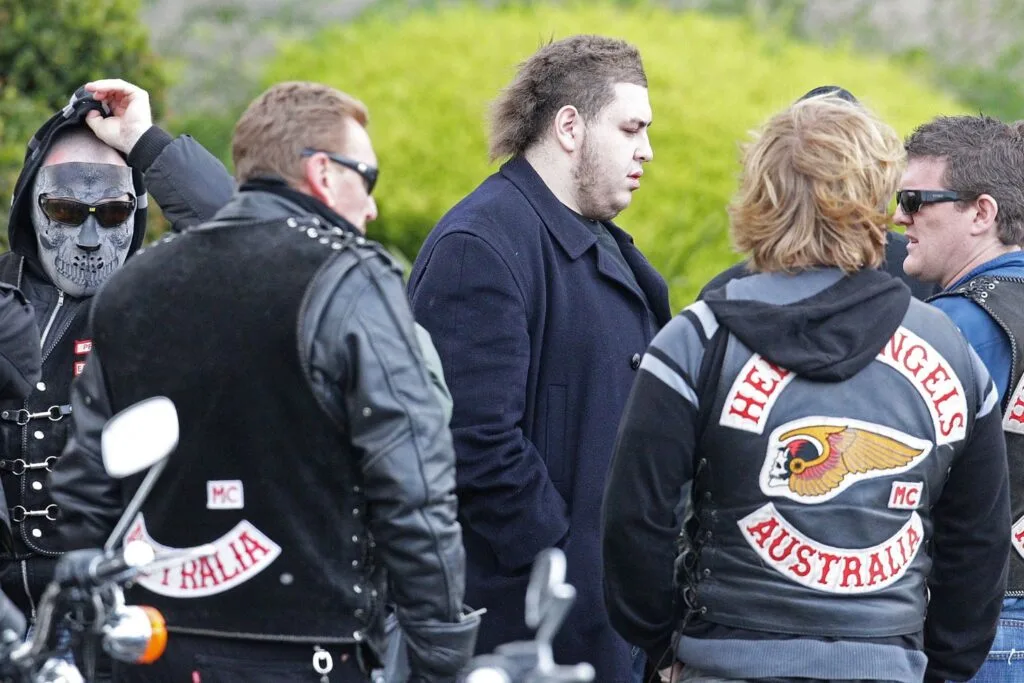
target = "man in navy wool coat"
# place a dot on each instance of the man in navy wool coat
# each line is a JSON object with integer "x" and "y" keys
{"x": 541, "y": 309}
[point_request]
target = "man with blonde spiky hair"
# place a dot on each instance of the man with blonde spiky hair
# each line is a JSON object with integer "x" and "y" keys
{"x": 540, "y": 307}
{"x": 895, "y": 245}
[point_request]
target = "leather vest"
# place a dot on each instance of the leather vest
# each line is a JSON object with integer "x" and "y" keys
{"x": 808, "y": 494}
{"x": 261, "y": 470}
{"x": 1003, "y": 299}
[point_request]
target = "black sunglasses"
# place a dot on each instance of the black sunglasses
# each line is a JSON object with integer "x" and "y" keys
{"x": 367, "y": 172}
{"x": 911, "y": 201}
{"x": 73, "y": 212}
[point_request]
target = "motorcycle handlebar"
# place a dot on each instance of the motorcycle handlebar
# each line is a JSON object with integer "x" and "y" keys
{"x": 92, "y": 567}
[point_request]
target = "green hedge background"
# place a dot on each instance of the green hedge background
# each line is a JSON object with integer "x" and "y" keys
{"x": 49, "y": 48}
{"x": 429, "y": 77}
{"x": 429, "y": 74}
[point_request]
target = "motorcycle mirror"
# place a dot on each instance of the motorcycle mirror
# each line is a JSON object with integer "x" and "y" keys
{"x": 547, "y": 575}
{"x": 139, "y": 436}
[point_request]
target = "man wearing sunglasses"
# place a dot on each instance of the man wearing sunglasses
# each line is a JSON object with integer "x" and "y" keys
{"x": 79, "y": 210}
{"x": 961, "y": 201}
{"x": 314, "y": 452}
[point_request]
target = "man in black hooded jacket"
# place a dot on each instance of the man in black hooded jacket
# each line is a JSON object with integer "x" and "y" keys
{"x": 79, "y": 210}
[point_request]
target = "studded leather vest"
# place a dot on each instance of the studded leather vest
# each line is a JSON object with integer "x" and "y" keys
{"x": 261, "y": 470}
{"x": 1003, "y": 299}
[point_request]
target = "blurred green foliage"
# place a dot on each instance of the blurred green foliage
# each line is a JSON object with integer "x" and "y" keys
{"x": 427, "y": 78}
{"x": 428, "y": 75}
{"x": 48, "y": 48}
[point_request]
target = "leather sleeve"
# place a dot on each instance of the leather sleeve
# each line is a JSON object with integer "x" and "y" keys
{"x": 90, "y": 500}
{"x": 368, "y": 364}
{"x": 19, "y": 344}
{"x": 433, "y": 361}
{"x": 970, "y": 546}
{"x": 188, "y": 182}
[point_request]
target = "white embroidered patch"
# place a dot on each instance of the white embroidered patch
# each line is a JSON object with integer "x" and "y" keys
{"x": 241, "y": 554}
{"x": 825, "y": 568}
{"x": 1013, "y": 420}
{"x": 905, "y": 495}
{"x": 814, "y": 459}
{"x": 753, "y": 394}
{"x": 933, "y": 378}
{"x": 227, "y": 494}
{"x": 1017, "y": 538}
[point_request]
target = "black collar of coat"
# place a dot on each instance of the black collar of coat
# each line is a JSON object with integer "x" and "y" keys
{"x": 575, "y": 238}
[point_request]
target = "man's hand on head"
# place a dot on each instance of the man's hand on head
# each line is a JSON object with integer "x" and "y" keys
{"x": 130, "y": 113}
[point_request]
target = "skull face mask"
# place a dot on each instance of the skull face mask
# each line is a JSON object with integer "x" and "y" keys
{"x": 84, "y": 217}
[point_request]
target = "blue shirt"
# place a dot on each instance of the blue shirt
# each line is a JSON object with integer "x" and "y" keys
{"x": 982, "y": 332}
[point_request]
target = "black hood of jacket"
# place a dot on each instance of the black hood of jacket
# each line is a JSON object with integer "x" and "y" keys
{"x": 829, "y": 336}
{"x": 20, "y": 231}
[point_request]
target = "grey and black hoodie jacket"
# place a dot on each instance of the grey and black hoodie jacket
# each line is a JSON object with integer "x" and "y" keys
{"x": 850, "y": 507}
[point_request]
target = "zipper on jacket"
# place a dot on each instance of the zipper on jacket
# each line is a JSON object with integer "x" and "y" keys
{"x": 53, "y": 316}
{"x": 28, "y": 592}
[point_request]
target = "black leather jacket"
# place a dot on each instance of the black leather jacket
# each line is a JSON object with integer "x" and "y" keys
{"x": 347, "y": 326}
{"x": 19, "y": 344}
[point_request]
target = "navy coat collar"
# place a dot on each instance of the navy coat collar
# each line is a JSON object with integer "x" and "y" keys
{"x": 575, "y": 238}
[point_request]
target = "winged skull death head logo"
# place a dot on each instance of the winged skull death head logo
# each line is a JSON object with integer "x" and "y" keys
{"x": 815, "y": 459}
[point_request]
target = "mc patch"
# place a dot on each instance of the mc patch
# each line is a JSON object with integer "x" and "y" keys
{"x": 225, "y": 495}
{"x": 814, "y": 459}
{"x": 905, "y": 495}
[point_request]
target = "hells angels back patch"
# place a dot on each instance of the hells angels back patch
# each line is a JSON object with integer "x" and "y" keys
{"x": 814, "y": 459}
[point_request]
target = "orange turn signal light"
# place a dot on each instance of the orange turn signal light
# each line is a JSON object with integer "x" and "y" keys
{"x": 158, "y": 637}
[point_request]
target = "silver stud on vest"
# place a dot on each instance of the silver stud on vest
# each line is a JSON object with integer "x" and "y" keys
{"x": 323, "y": 663}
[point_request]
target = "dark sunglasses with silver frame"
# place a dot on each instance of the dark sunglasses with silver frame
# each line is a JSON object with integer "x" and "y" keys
{"x": 366, "y": 171}
{"x": 73, "y": 213}
{"x": 911, "y": 201}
